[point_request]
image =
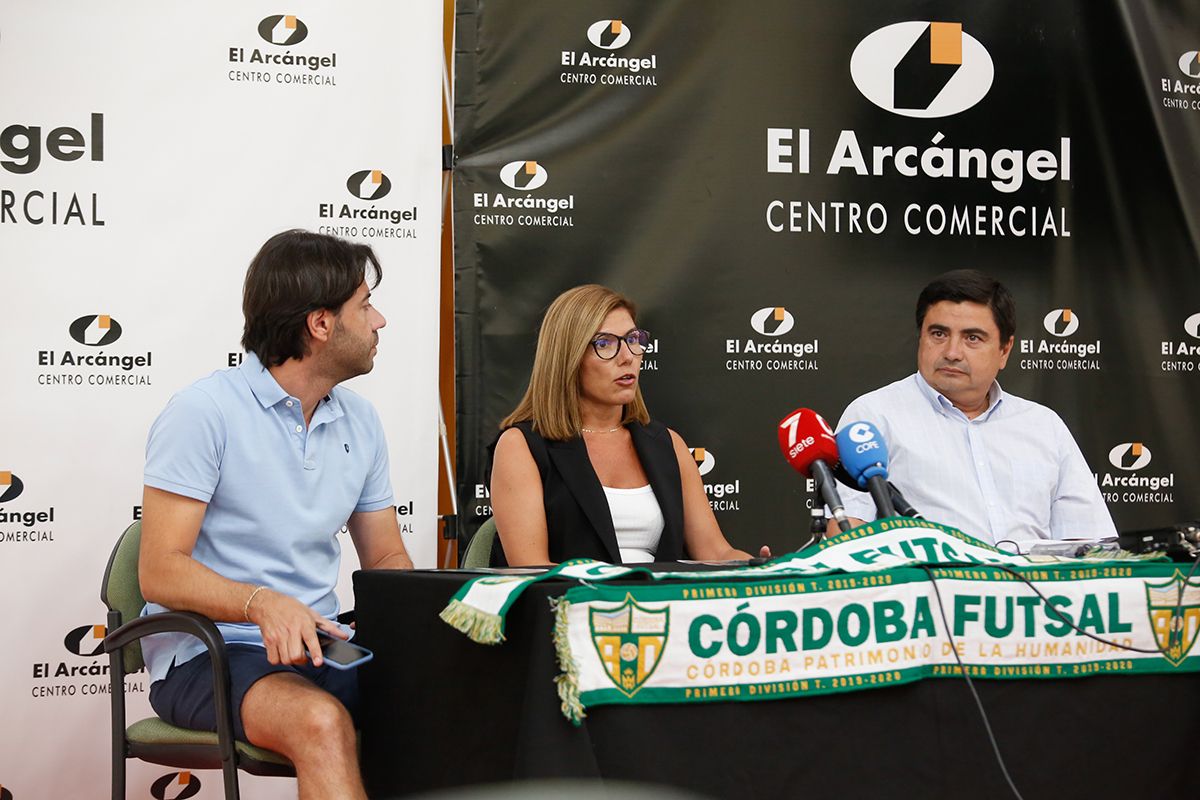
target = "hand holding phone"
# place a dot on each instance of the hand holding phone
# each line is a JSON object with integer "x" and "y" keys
{"x": 341, "y": 654}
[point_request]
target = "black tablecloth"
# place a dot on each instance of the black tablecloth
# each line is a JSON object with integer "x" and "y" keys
{"x": 440, "y": 710}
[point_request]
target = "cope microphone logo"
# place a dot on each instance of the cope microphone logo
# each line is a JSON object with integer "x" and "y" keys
{"x": 1180, "y": 355}
{"x": 863, "y": 437}
{"x": 278, "y": 64}
{"x": 175, "y": 786}
{"x": 724, "y": 495}
{"x": 366, "y": 217}
{"x": 522, "y": 202}
{"x": 19, "y": 523}
{"x": 922, "y": 69}
{"x": 24, "y": 150}
{"x": 775, "y": 346}
{"x": 1062, "y": 353}
{"x": 1183, "y": 95}
{"x": 96, "y": 366}
{"x": 607, "y": 68}
{"x": 1132, "y": 483}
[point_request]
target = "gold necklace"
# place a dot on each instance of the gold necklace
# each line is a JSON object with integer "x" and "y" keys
{"x": 590, "y": 430}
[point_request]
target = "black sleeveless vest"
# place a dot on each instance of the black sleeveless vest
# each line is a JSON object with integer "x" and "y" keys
{"x": 578, "y": 520}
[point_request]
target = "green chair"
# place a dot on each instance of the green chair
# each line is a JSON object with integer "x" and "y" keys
{"x": 153, "y": 739}
{"x": 479, "y": 549}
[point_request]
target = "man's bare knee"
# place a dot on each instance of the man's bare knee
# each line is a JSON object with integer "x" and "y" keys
{"x": 286, "y": 712}
{"x": 325, "y": 718}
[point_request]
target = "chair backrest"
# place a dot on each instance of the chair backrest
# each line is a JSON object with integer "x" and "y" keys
{"x": 479, "y": 549}
{"x": 121, "y": 591}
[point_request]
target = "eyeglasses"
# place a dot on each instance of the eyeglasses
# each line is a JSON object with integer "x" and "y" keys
{"x": 607, "y": 345}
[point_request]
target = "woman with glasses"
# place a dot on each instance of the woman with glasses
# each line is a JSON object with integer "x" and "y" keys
{"x": 580, "y": 469}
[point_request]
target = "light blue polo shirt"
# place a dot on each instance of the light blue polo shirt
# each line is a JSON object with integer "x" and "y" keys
{"x": 278, "y": 493}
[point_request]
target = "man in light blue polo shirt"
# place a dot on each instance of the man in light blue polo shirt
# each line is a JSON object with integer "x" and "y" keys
{"x": 251, "y": 473}
{"x": 964, "y": 452}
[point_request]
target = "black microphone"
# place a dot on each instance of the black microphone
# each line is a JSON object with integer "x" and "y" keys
{"x": 864, "y": 454}
{"x": 903, "y": 507}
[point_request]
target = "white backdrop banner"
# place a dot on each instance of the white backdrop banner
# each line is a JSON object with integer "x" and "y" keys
{"x": 147, "y": 149}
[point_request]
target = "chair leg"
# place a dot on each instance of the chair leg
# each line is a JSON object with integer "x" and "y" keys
{"x": 230, "y": 772}
{"x": 116, "y": 692}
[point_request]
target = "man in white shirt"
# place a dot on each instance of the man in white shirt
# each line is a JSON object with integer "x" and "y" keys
{"x": 964, "y": 452}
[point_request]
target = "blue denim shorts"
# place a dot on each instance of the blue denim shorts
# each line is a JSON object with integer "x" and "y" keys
{"x": 185, "y": 696}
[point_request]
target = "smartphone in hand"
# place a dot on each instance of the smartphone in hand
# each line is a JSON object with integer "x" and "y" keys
{"x": 341, "y": 654}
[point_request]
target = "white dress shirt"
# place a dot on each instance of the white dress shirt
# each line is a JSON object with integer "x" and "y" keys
{"x": 1014, "y": 473}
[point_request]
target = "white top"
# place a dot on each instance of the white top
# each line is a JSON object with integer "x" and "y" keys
{"x": 638, "y": 521}
{"x": 1012, "y": 473}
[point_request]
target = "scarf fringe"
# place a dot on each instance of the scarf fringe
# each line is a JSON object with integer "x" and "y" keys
{"x": 479, "y": 626}
{"x": 567, "y": 682}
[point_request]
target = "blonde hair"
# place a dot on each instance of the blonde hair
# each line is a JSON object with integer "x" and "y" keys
{"x": 552, "y": 400}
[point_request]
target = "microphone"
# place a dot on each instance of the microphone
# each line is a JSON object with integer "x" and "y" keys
{"x": 864, "y": 454}
{"x": 903, "y": 507}
{"x": 808, "y": 445}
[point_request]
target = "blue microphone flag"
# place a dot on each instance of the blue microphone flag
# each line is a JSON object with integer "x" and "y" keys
{"x": 863, "y": 452}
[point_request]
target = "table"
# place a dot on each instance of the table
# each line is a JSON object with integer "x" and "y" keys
{"x": 440, "y": 710}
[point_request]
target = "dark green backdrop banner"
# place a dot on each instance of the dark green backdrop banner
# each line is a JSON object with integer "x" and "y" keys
{"x": 773, "y": 184}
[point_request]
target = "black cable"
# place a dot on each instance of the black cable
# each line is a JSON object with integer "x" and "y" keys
{"x": 806, "y": 545}
{"x": 971, "y": 685}
{"x": 1176, "y": 615}
{"x": 1051, "y": 608}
